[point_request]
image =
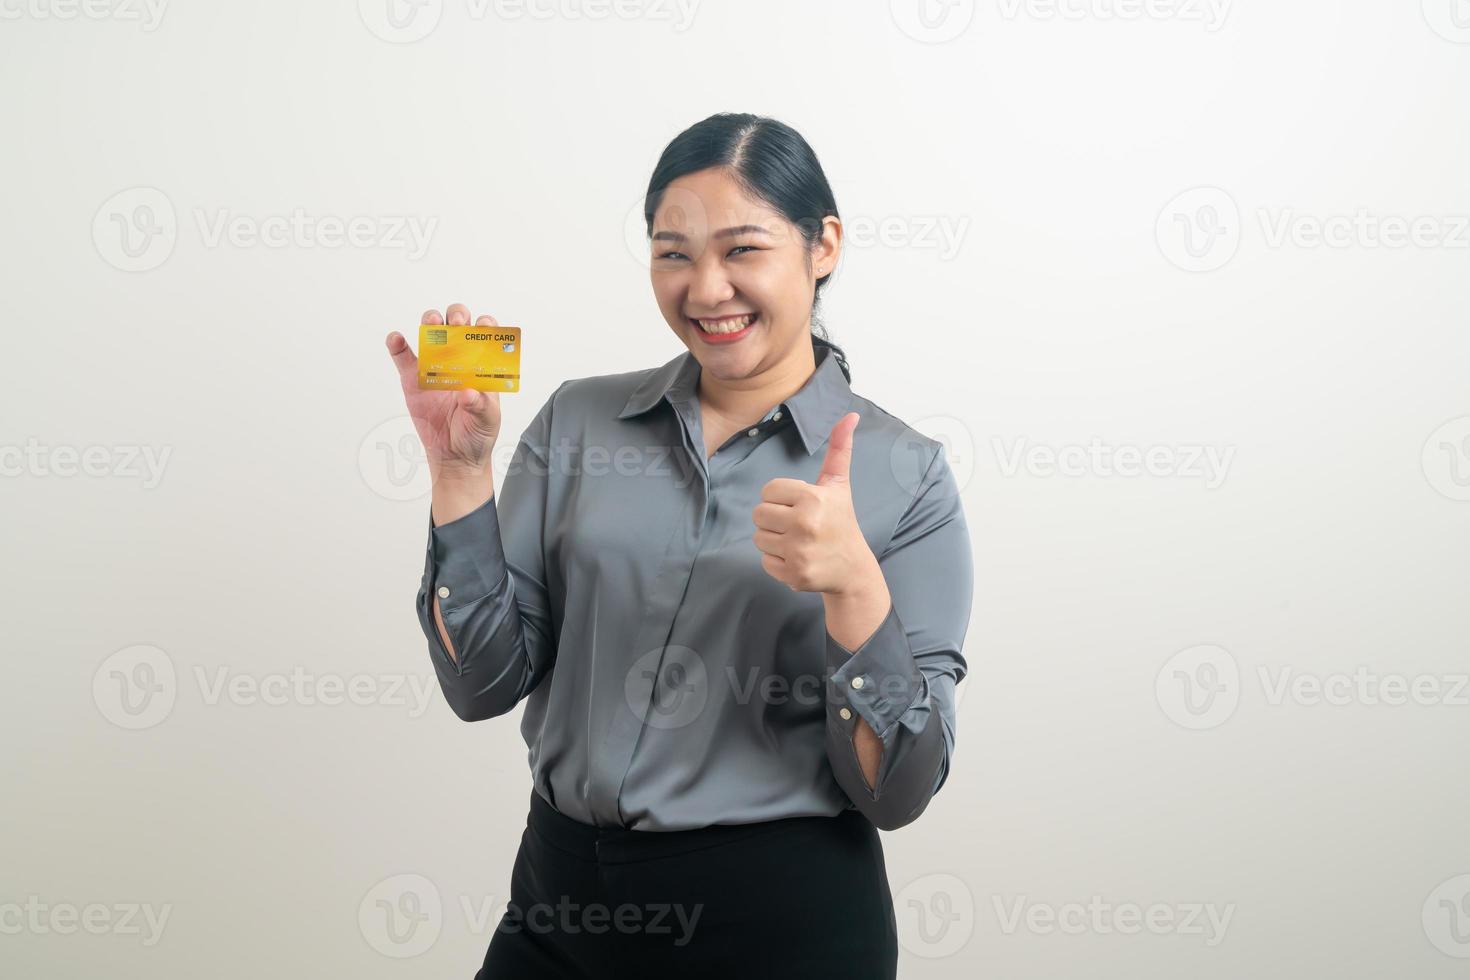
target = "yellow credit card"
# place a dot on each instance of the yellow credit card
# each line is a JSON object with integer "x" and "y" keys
{"x": 484, "y": 358}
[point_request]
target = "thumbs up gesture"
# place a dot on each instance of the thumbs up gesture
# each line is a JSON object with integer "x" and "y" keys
{"x": 808, "y": 533}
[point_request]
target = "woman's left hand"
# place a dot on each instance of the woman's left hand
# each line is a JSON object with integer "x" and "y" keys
{"x": 808, "y": 533}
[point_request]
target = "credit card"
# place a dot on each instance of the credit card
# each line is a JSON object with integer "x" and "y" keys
{"x": 483, "y": 358}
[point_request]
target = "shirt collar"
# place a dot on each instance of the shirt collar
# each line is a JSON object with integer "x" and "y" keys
{"x": 814, "y": 409}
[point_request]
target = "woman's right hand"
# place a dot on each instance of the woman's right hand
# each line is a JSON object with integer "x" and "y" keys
{"x": 458, "y": 428}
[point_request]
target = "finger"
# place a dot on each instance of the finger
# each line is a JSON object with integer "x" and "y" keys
{"x": 784, "y": 490}
{"x": 476, "y": 404}
{"x": 486, "y": 321}
{"x": 838, "y": 461}
{"x": 770, "y": 544}
{"x": 458, "y": 315}
{"x": 775, "y": 567}
{"x": 772, "y": 517}
{"x": 433, "y": 318}
{"x": 401, "y": 353}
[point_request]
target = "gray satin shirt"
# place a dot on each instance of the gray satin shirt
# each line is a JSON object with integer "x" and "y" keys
{"x": 670, "y": 682}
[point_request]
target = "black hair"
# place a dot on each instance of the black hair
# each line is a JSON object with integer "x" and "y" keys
{"x": 774, "y": 164}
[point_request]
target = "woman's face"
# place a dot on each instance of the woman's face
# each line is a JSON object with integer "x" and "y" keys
{"x": 720, "y": 255}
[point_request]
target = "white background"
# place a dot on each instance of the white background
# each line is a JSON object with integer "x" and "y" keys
{"x": 1083, "y": 309}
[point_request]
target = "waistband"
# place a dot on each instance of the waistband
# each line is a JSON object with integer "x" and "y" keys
{"x": 620, "y": 845}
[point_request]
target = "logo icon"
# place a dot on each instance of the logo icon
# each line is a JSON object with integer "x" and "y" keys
{"x": 136, "y": 687}
{"x": 932, "y": 21}
{"x": 401, "y": 916}
{"x": 1450, "y": 19}
{"x": 1446, "y": 459}
{"x": 908, "y": 457}
{"x": 667, "y": 687}
{"x": 936, "y": 916}
{"x": 392, "y": 461}
{"x": 1447, "y": 917}
{"x": 1199, "y": 231}
{"x": 1199, "y": 688}
{"x": 401, "y": 21}
{"x": 135, "y": 230}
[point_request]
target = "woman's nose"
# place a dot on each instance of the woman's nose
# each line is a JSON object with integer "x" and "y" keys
{"x": 710, "y": 286}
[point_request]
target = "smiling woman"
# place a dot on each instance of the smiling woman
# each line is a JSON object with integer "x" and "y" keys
{"x": 736, "y": 669}
{"x": 742, "y": 223}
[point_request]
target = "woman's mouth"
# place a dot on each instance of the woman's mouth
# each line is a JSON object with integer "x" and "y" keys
{"x": 725, "y": 329}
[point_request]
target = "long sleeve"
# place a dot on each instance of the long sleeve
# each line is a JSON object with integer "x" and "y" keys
{"x": 488, "y": 570}
{"x": 902, "y": 679}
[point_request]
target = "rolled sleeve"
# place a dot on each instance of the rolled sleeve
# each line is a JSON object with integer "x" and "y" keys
{"x": 487, "y": 572}
{"x": 879, "y": 680}
{"x": 466, "y": 561}
{"x": 902, "y": 679}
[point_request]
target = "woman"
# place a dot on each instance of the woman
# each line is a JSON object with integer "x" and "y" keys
{"x": 732, "y": 592}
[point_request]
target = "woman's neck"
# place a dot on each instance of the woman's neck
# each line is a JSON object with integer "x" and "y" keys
{"x": 745, "y": 400}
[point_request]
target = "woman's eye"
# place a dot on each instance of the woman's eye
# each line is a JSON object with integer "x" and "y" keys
{"x": 671, "y": 255}
{"x": 736, "y": 250}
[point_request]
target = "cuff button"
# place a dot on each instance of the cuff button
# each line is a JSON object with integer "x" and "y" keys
{"x": 857, "y": 683}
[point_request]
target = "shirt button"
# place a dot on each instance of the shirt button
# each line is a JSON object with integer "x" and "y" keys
{"x": 846, "y": 714}
{"x": 754, "y": 432}
{"x": 776, "y": 417}
{"x": 444, "y": 592}
{"x": 857, "y": 682}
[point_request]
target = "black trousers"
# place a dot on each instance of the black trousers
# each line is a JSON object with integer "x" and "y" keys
{"x": 801, "y": 897}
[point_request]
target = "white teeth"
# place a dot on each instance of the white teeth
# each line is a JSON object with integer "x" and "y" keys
{"x": 727, "y": 326}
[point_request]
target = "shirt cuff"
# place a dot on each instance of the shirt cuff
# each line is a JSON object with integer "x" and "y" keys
{"x": 879, "y": 680}
{"x": 465, "y": 561}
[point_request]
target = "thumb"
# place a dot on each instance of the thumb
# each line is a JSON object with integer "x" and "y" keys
{"x": 476, "y": 404}
{"x": 838, "y": 461}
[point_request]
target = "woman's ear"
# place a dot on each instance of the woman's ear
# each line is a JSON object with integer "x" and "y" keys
{"x": 829, "y": 249}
